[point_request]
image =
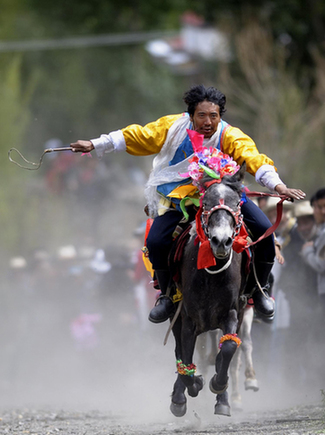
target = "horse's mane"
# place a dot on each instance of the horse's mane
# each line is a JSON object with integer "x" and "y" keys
{"x": 233, "y": 182}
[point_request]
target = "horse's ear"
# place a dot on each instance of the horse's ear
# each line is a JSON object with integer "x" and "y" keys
{"x": 241, "y": 173}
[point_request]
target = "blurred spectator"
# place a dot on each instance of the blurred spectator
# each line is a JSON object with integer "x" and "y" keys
{"x": 287, "y": 220}
{"x": 296, "y": 279}
{"x": 59, "y": 167}
{"x": 144, "y": 292}
{"x": 306, "y": 222}
{"x": 84, "y": 332}
{"x": 297, "y": 288}
{"x": 318, "y": 203}
{"x": 317, "y": 213}
{"x": 261, "y": 202}
{"x": 281, "y": 233}
{"x": 304, "y": 229}
{"x": 313, "y": 252}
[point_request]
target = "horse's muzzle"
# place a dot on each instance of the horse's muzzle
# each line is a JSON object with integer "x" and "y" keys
{"x": 221, "y": 248}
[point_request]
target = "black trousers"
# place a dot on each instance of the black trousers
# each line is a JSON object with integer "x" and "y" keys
{"x": 159, "y": 240}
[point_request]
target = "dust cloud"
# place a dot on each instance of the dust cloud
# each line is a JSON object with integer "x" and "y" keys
{"x": 74, "y": 330}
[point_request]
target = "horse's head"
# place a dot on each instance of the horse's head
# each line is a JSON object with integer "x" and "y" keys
{"x": 221, "y": 216}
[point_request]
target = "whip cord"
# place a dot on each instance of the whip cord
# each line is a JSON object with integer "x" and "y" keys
{"x": 35, "y": 166}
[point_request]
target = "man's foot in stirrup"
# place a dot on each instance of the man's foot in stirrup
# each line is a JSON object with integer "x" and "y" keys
{"x": 264, "y": 304}
{"x": 162, "y": 311}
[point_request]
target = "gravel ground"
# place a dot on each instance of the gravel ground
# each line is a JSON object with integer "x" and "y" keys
{"x": 297, "y": 420}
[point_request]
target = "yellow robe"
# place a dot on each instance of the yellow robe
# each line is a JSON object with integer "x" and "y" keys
{"x": 149, "y": 139}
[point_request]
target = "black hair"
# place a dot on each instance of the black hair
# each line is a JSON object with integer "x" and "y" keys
{"x": 320, "y": 194}
{"x": 200, "y": 93}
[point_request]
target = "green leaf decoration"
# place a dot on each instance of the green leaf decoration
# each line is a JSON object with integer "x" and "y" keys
{"x": 209, "y": 171}
{"x": 195, "y": 201}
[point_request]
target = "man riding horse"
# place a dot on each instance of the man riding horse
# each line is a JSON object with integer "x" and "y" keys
{"x": 166, "y": 189}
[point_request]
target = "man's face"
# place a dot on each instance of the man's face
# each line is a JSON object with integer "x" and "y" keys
{"x": 206, "y": 118}
{"x": 319, "y": 211}
{"x": 305, "y": 225}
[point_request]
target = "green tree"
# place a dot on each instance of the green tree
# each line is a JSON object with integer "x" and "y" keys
{"x": 265, "y": 98}
{"x": 15, "y": 117}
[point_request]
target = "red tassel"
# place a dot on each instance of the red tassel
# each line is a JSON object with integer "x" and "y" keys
{"x": 240, "y": 242}
{"x": 199, "y": 229}
{"x": 205, "y": 256}
{"x": 148, "y": 226}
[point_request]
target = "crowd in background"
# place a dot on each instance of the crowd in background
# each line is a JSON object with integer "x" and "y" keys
{"x": 299, "y": 287}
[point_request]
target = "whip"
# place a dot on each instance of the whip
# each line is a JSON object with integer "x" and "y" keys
{"x": 34, "y": 166}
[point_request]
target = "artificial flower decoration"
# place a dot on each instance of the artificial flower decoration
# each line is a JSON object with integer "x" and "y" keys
{"x": 208, "y": 161}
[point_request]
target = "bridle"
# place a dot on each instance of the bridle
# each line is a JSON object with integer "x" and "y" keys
{"x": 203, "y": 218}
{"x": 236, "y": 214}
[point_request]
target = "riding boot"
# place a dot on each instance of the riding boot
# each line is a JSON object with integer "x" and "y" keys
{"x": 263, "y": 303}
{"x": 164, "y": 307}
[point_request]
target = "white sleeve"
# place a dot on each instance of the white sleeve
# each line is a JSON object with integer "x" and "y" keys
{"x": 107, "y": 143}
{"x": 267, "y": 177}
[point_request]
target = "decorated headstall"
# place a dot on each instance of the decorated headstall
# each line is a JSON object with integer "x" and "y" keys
{"x": 237, "y": 215}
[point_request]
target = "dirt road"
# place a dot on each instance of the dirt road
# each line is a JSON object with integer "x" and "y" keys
{"x": 297, "y": 420}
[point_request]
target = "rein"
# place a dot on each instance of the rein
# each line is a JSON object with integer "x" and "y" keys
{"x": 279, "y": 210}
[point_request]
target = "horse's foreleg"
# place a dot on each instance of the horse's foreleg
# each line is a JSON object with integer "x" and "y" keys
{"x": 178, "y": 403}
{"x": 184, "y": 333}
{"x": 177, "y": 332}
{"x": 178, "y": 398}
{"x": 194, "y": 384}
{"x": 247, "y": 347}
{"x": 219, "y": 382}
{"x": 222, "y": 406}
{"x": 234, "y": 375}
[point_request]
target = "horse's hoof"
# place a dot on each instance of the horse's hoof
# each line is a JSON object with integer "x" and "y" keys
{"x": 194, "y": 390}
{"x": 199, "y": 380}
{"x": 251, "y": 384}
{"x": 222, "y": 409}
{"x": 237, "y": 405}
{"x": 215, "y": 388}
{"x": 179, "y": 410}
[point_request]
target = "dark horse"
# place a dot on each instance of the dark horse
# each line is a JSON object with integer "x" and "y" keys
{"x": 211, "y": 296}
